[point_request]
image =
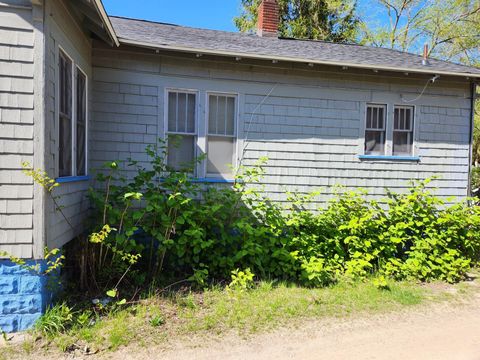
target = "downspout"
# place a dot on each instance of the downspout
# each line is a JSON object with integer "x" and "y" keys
{"x": 473, "y": 89}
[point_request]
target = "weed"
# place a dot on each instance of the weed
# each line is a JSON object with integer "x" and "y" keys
{"x": 157, "y": 320}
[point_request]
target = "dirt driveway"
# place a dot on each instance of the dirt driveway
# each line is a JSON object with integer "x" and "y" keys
{"x": 449, "y": 331}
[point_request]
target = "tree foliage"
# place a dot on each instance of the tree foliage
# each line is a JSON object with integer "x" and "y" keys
{"x": 330, "y": 20}
{"x": 451, "y": 28}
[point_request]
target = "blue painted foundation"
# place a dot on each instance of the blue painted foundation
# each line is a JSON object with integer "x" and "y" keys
{"x": 24, "y": 295}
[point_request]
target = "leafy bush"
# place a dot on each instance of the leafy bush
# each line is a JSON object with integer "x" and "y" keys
{"x": 163, "y": 225}
{"x": 241, "y": 280}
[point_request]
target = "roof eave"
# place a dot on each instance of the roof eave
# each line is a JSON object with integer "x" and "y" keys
{"x": 106, "y": 21}
{"x": 292, "y": 59}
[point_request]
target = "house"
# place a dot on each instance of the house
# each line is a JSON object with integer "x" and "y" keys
{"x": 78, "y": 88}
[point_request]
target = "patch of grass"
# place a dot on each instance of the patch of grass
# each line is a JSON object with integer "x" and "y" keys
{"x": 268, "y": 305}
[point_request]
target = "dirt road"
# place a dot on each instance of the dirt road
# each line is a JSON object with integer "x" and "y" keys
{"x": 440, "y": 332}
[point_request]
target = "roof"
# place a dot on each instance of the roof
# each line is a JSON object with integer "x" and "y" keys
{"x": 106, "y": 21}
{"x": 186, "y": 39}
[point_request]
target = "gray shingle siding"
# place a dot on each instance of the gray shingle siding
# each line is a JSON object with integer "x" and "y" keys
{"x": 16, "y": 129}
{"x": 311, "y": 127}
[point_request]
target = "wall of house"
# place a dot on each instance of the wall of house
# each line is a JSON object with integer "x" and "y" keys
{"x": 22, "y": 293}
{"x": 17, "y": 76}
{"x": 310, "y": 127}
{"x": 63, "y": 30}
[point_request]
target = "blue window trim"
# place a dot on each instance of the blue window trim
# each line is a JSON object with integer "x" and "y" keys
{"x": 213, "y": 181}
{"x": 387, "y": 157}
{"x": 68, "y": 179}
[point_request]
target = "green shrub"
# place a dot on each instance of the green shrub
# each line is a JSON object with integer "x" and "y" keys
{"x": 241, "y": 280}
{"x": 204, "y": 233}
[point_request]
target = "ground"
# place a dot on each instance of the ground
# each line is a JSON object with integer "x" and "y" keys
{"x": 445, "y": 328}
{"x": 442, "y": 332}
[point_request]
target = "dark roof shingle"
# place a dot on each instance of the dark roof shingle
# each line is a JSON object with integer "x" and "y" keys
{"x": 168, "y": 36}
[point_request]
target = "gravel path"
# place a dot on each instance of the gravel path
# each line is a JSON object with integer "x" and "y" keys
{"x": 439, "y": 332}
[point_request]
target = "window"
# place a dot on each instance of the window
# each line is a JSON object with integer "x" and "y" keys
{"x": 65, "y": 116}
{"x": 181, "y": 124}
{"x": 212, "y": 132}
{"x": 221, "y": 134}
{"x": 403, "y": 130}
{"x": 72, "y": 118}
{"x": 375, "y": 129}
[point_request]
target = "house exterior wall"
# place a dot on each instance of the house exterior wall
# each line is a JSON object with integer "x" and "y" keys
{"x": 23, "y": 294}
{"x": 63, "y": 31}
{"x": 310, "y": 127}
{"x": 17, "y": 79}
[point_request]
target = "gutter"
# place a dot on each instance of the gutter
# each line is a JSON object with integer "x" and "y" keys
{"x": 106, "y": 21}
{"x": 290, "y": 59}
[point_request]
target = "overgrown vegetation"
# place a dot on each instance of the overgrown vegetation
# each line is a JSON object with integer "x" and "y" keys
{"x": 166, "y": 227}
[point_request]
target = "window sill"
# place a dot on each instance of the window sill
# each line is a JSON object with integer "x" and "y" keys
{"x": 69, "y": 179}
{"x": 213, "y": 181}
{"x": 389, "y": 158}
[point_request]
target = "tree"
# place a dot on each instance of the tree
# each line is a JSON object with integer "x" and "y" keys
{"x": 451, "y": 28}
{"x": 330, "y": 20}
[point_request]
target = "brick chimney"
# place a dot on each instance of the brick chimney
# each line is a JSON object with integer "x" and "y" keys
{"x": 268, "y": 18}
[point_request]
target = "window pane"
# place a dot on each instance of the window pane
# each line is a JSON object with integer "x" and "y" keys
{"x": 396, "y": 119}
{"x": 191, "y": 113}
{"x": 221, "y": 115}
{"x": 181, "y": 112}
{"x": 408, "y": 118}
{"x": 81, "y": 122}
{"x": 374, "y": 142}
{"x": 403, "y": 119}
{"x": 181, "y": 152}
{"x": 220, "y": 155}
{"x": 65, "y": 147}
{"x": 172, "y": 112}
{"x": 375, "y": 118}
{"x": 381, "y": 117}
{"x": 402, "y": 143}
{"x": 212, "y": 114}
{"x": 65, "y": 86}
{"x": 230, "y": 116}
{"x": 369, "y": 118}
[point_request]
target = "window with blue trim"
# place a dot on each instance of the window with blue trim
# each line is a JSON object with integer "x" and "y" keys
{"x": 389, "y": 134}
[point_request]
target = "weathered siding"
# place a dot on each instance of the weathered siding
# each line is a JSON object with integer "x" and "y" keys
{"x": 311, "y": 127}
{"x": 17, "y": 41}
{"x": 64, "y": 31}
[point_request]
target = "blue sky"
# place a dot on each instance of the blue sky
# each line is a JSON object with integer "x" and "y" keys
{"x": 207, "y": 14}
{"x": 211, "y": 14}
